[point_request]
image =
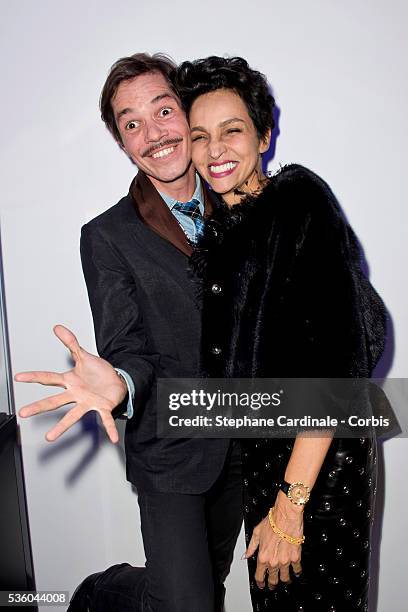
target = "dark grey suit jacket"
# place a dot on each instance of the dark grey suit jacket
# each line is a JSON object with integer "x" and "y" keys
{"x": 147, "y": 321}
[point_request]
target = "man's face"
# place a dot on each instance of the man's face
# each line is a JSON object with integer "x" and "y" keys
{"x": 154, "y": 129}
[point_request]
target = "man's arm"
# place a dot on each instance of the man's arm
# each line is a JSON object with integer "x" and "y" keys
{"x": 121, "y": 337}
{"x": 93, "y": 384}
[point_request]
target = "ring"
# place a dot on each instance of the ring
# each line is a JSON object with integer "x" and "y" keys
{"x": 297, "y": 569}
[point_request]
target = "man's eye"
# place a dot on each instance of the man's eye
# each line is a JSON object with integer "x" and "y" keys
{"x": 233, "y": 130}
{"x": 131, "y": 125}
{"x": 165, "y": 112}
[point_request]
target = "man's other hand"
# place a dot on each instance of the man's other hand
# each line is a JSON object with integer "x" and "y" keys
{"x": 93, "y": 384}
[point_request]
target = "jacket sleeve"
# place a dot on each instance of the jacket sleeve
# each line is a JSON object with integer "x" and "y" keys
{"x": 120, "y": 335}
{"x": 343, "y": 315}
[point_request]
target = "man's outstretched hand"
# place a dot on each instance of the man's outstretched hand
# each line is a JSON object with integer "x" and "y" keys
{"x": 93, "y": 384}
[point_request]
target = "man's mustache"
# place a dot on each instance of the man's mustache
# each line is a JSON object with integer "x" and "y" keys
{"x": 153, "y": 148}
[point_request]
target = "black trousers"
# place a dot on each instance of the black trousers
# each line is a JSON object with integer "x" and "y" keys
{"x": 189, "y": 542}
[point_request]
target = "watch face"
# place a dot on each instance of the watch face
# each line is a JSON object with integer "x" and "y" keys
{"x": 298, "y": 493}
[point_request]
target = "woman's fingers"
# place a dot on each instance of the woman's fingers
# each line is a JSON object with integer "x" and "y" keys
{"x": 273, "y": 577}
{"x": 284, "y": 573}
{"x": 253, "y": 545}
{"x": 297, "y": 568}
{"x": 260, "y": 573}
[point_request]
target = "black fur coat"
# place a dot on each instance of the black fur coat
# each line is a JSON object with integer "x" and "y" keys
{"x": 283, "y": 291}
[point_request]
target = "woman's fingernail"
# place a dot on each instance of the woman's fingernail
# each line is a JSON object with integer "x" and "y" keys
{"x": 244, "y": 556}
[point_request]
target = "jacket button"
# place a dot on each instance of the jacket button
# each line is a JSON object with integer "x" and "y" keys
{"x": 216, "y": 289}
{"x": 216, "y": 350}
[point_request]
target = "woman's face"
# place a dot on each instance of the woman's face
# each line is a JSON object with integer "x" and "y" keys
{"x": 226, "y": 147}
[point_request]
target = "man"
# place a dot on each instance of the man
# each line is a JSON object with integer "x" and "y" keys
{"x": 147, "y": 323}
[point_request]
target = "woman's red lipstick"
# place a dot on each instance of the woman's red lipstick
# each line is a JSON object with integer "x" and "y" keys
{"x": 229, "y": 168}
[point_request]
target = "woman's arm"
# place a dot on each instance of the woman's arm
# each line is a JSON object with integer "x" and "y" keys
{"x": 275, "y": 554}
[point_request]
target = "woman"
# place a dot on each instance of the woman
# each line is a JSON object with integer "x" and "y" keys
{"x": 284, "y": 297}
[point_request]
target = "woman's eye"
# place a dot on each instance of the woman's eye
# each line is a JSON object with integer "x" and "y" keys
{"x": 165, "y": 112}
{"x": 195, "y": 138}
{"x": 131, "y": 125}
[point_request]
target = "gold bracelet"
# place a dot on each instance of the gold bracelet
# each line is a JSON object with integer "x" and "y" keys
{"x": 281, "y": 533}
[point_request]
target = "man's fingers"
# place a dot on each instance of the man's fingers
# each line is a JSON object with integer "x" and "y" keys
{"x": 261, "y": 569}
{"x": 51, "y": 379}
{"x": 72, "y": 417}
{"x": 44, "y": 405}
{"x": 69, "y": 339}
{"x": 109, "y": 424}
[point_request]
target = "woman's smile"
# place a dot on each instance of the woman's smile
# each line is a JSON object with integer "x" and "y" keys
{"x": 226, "y": 147}
{"x": 221, "y": 169}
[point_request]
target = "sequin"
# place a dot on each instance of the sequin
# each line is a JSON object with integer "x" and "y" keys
{"x": 361, "y": 471}
{"x": 327, "y": 506}
{"x": 339, "y": 551}
{"x": 322, "y": 567}
{"x": 342, "y": 522}
{"x": 324, "y": 536}
{"x": 245, "y": 481}
{"x": 349, "y": 459}
{"x": 353, "y": 564}
{"x": 348, "y": 594}
{"x": 332, "y": 474}
{"x": 346, "y": 490}
{"x": 317, "y": 596}
{"x": 359, "y": 503}
{"x": 356, "y": 533}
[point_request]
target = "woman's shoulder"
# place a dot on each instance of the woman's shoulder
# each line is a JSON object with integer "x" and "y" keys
{"x": 303, "y": 185}
{"x": 299, "y": 188}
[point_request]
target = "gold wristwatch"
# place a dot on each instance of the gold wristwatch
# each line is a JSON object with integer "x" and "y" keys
{"x": 297, "y": 492}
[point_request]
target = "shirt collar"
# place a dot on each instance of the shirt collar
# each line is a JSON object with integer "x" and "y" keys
{"x": 197, "y": 195}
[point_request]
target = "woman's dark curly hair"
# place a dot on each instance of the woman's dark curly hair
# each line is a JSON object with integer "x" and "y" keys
{"x": 193, "y": 79}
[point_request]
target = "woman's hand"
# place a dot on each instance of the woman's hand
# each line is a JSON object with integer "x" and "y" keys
{"x": 93, "y": 384}
{"x": 275, "y": 555}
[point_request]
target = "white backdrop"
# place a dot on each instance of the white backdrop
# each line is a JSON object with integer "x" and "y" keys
{"x": 339, "y": 75}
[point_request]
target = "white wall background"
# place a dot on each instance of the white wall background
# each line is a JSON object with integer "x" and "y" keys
{"x": 339, "y": 74}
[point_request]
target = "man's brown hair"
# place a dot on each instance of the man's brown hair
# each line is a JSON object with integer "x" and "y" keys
{"x": 128, "y": 68}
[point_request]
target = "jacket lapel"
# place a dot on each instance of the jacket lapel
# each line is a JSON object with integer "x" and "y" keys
{"x": 155, "y": 213}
